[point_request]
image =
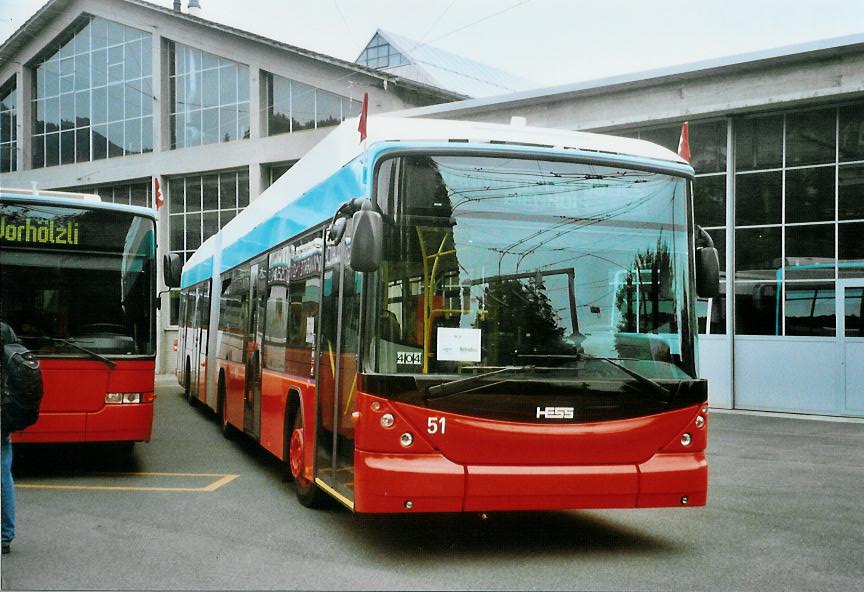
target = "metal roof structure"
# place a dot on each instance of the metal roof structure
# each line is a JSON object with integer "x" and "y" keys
{"x": 813, "y": 50}
{"x": 436, "y": 67}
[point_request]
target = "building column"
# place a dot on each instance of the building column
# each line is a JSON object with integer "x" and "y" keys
{"x": 257, "y": 182}
{"x": 255, "y": 110}
{"x": 162, "y": 95}
{"x": 163, "y": 313}
{"x": 730, "y": 254}
{"x": 24, "y": 124}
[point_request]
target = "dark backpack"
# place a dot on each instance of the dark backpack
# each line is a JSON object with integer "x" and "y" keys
{"x": 20, "y": 383}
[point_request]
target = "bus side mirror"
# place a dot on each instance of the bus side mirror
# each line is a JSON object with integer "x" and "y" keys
{"x": 707, "y": 265}
{"x": 368, "y": 240}
{"x": 707, "y": 272}
{"x": 336, "y": 231}
{"x": 172, "y": 266}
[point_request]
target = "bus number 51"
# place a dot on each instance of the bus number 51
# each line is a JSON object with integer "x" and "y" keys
{"x": 435, "y": 425}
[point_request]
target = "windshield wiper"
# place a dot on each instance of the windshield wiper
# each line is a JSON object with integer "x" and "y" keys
{"x": 110, "y": 363}
{"x": 640, "y": 378}
{"x": 462, "y": 384}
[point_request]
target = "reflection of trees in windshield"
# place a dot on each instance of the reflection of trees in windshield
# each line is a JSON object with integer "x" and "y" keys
{"x": 645, "y": 301}
{"x": 519, "y": 319}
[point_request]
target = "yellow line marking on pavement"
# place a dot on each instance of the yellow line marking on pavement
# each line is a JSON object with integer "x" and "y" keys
{"x": 222, "y": 481}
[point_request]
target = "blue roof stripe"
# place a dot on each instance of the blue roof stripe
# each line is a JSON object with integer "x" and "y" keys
{"x": 319, "y": 203}
{"x": 312, "y": 208}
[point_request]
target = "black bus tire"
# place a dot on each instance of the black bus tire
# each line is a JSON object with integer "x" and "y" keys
{"x": 308, "y": 494}
{"x": 187, "y": 386}
{"x": 226, "y": 428}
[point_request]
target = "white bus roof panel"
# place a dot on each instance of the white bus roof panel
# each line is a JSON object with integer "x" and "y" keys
{"x": 342, "y": 146}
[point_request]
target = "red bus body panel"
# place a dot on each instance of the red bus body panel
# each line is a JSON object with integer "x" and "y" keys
{"x": 73, "y": 404}
{"x": 235, "y": 383}
{"x": 489, "y": 465}
{"x": 274, "y": 398}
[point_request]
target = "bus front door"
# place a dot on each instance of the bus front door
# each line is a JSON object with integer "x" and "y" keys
{"x": 255, "y": 337}
{"x": 337, "y": 379}
{"x": 193, "y": 337}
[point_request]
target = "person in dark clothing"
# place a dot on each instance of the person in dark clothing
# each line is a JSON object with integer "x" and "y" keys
{"x": 7, "y": 501}
{"x": 20, "y": 399}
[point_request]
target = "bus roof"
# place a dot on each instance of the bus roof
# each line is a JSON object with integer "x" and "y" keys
{"x": 77, "y": 200}
{"x": 289, "y": 206}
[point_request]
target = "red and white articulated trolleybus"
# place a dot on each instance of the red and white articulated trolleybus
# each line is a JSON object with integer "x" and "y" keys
{"x": 450, "y": 316}
{"x": 77, "y": 284}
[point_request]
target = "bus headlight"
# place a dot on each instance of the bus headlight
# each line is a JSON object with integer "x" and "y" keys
{"x": 120, "y": 398}
{"x": 406, "y": 440}
{"x": 387, "y": 420}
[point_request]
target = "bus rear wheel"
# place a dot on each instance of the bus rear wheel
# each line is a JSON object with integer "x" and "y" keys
{"x": 308, "y": 493}
{"x": 187, "y": 387}
{"x": 226, "y": 428}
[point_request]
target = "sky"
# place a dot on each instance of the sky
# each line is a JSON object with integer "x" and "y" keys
{"x": 550, "y": 42}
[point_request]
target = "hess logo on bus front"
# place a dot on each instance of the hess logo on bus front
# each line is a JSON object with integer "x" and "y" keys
{"x": 555, "y": 412}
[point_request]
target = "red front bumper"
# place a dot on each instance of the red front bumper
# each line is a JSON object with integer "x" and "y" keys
{"x": 132, "y": 422}
{"x": 386, "y": 483}
{"x": 455, "y": 463}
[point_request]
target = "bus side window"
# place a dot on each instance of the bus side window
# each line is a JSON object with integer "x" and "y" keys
{"x": 309, "y": 306}
{"x": 204, "y": 306}
{"x": 182, "y": 309}
{"x": 275, "y": 336}
{"x": 189, "y": 302}
{"x": 233, "y": 316}
{"x": 226, "y": 313}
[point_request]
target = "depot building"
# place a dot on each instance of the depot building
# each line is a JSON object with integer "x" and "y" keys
{"x": 113, "y": 96}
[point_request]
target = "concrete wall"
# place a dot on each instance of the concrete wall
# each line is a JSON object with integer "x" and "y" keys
{"x": 689, "y": 92}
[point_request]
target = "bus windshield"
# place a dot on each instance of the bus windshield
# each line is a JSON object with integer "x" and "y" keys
{"x": 545, "y": 265}
{"x": 78, "y": 281}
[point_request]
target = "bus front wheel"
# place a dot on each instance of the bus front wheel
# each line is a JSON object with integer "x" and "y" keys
{"x": 308, "y": 493}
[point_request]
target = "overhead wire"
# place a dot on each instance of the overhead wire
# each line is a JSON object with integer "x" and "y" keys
{"x": 473, "y": 23}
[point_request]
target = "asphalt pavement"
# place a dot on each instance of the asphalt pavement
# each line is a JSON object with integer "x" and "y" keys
{"x": 194, "y": 511}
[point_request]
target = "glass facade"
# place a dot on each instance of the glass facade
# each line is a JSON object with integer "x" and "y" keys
{"x": 209, "y": 97}
{"x": 199, "y": 205}
{"x": 294, "y": 106}
{"x": 380, "y": 54}
{"x": 93, "y": 95}
{"x": 274, "y": 171}
{"x": 799, "y": 213}
{"x": 8, "y": 129}
{"x": 795, "y": 234}
{"x": 133, "y": 193}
